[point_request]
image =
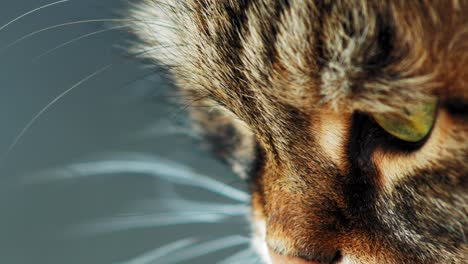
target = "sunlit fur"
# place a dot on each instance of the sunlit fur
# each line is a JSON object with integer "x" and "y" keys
{"x": 292, "y": 85}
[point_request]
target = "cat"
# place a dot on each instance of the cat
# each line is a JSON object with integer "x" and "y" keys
{"x": 348, "y": 119}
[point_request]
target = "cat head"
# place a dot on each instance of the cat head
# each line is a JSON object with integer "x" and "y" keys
{"x": 303, "y": 98}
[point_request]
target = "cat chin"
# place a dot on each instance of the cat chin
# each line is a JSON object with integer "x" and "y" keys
{"x": 259, "y": 240}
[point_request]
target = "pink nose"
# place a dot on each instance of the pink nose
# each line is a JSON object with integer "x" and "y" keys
{"x": 281, "y": 259}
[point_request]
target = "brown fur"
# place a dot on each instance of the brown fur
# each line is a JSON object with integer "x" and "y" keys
{"x": 293, "y": 85}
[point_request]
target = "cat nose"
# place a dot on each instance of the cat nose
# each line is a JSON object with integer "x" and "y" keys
{"x": 282, "y": 259}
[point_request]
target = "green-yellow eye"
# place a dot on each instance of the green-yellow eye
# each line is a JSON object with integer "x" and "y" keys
{"x": 413, "y": 125}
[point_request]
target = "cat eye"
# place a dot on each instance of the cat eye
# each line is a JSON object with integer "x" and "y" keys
{"x": 413, "y": 125}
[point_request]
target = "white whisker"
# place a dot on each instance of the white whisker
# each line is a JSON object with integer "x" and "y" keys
{"x": 152, "y": 256}
{"x": 58, "y": 26}
{"x": 184, "y": 205}
{"x": 207, "y": 248}
{"x": 32, "y": 11}
{"x": 76, "y": 39}
{"x": 64, "y": 25}
{"x": 240, "y": 257}
{"x": 129, "y": 222}
{"x": 50, "y": 104}
{"x": 146, "y": 165}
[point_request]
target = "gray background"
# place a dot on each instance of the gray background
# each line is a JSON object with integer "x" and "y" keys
{"x": 127, "y": 108}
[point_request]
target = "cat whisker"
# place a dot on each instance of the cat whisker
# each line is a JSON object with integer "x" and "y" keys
{"x": 75, "y": 40}
{"x": 31, "y": 12}
{"x": 156, "y": 254}
{"x": 147, "y": 165}
{"x": 2, "y": 50}
{"x": 50, "y": 104}
{"x": 182, "y": 205}
{"x": 206, "y": 248}
{"x": 143, "y": 53}
{"x": 128, "y": 222}
{"x": 239, "y": 257}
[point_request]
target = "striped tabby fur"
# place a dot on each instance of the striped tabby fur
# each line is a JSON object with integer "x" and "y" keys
{"x": 291, "y": 85}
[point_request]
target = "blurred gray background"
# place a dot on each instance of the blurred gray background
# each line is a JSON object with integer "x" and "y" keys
{"x": 129, "y": 111}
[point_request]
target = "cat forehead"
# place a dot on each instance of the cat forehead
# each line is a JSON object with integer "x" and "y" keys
{"x": 383, "y": 56}
{"x": 370, "y": 56}
{"x": 360, "y": 55}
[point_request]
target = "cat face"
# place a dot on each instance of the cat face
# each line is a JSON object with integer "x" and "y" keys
{"x": 295, "y": 89}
